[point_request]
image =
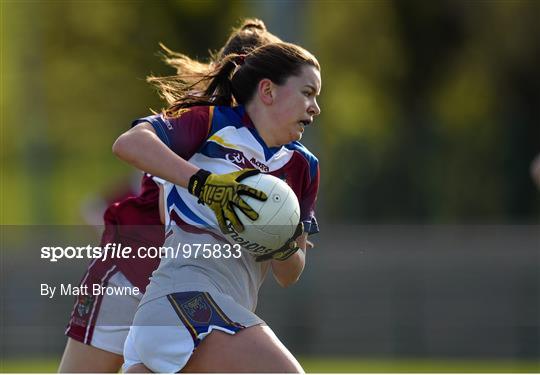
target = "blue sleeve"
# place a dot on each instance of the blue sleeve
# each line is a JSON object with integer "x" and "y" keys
{"x": 183, "y": 134}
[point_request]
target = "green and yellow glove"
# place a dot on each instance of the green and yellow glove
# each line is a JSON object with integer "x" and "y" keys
{"x": 221, "y": 191}
{"x": 287, "y": 250}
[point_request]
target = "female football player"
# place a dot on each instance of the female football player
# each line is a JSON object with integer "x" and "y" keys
{"x": 99, "y": 324}
{"x": 205, "y": 147}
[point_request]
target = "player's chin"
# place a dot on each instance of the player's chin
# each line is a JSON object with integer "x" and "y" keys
{"x": 297, "y": 135}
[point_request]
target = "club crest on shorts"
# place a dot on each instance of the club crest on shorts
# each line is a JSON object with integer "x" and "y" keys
{"x": 84, "y": 305}
{"x": 198, "y": 309}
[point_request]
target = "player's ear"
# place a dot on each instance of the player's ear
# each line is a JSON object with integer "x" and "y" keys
{"x": 265, "y": 90}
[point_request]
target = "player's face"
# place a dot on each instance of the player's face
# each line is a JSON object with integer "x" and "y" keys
{"x": 295, "y": 104}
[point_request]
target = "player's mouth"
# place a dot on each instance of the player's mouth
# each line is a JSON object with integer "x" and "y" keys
{"x": 304, "y": 123}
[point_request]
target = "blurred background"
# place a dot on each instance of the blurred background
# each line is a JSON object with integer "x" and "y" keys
{"x": 430, "y": 122}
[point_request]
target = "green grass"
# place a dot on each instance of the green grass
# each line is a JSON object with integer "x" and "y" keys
{"x": 29, "y": 365}
{"x": 345, "y": 365}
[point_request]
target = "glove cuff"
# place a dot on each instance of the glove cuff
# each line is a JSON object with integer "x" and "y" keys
{"x": 197, "y": 181}
{"x": 284, "y": 255}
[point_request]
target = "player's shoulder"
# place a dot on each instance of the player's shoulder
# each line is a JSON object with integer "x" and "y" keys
{"x": 226, "y": 116}
{"x": 196, "y": 114}
{"x": 310, "y": 159}
{"x": 303, "y": 150}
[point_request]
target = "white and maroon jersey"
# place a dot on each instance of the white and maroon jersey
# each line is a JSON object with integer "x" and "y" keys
{"x": 222, "y": 140}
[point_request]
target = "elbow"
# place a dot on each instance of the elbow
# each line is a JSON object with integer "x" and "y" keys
{"x": 287, "y": 273}
{"x": 120, "y": 148}
{"x": 287, "y": 282}
{"x": 129, "y": 145}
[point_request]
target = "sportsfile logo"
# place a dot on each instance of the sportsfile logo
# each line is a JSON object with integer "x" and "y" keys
{"x": 118, "y": 251}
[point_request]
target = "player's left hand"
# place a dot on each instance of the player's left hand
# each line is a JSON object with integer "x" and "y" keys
{"x": 220, "y": 192}
{"x": 287, "y": 250}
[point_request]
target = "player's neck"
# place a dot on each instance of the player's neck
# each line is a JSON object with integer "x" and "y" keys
{"x": 262, "y": 123}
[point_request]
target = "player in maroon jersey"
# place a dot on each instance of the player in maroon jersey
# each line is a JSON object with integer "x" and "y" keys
{"x": 99, "y": 324}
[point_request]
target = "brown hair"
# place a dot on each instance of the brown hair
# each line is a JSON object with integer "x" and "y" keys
{"x": 237, "y": 76}
{"x": 251, "y": 34}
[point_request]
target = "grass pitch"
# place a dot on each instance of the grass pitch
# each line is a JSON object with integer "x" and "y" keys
{"x": 343, "y": 365}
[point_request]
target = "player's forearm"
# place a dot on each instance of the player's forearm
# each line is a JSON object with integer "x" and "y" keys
{"x": 142, "y": 148}
{"x": 288, "y": 272}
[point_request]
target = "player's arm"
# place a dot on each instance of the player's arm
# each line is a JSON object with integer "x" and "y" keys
{"x": 287, "y": 272}
{"x": 287, "y": 262}
{"x": 141, "y": 147}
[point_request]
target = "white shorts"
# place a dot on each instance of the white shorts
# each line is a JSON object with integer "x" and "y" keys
{"x": 115, "y": 316}
{"x": 167, "y": 330}
{"x": 103, "y": 321}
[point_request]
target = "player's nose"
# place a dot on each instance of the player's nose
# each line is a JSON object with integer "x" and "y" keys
{"x": 314, "y": 109}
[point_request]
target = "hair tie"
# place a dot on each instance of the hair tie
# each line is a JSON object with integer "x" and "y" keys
{"x": 240, "y": 59}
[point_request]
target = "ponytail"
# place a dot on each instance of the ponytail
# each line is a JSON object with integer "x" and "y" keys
{"x": 236, "y": 77}
{"x": 219, "y": 90}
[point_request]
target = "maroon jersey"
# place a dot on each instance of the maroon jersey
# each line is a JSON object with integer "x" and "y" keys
{"x": 135, "y": 222}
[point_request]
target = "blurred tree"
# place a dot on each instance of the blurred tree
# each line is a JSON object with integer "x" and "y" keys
{"x": 75, "y": 75}
{"x": 430, "y": 109}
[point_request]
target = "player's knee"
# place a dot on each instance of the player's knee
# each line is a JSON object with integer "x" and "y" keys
{"x": 287, "y": 366}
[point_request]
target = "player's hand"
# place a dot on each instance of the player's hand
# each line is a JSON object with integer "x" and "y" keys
{"x": 221, "y": 191}
{"x": 287, "y": 250}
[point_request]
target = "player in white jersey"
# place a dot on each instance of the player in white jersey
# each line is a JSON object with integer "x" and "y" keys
{"x": 99, "y": 325}
{"x": 198, "y": 313}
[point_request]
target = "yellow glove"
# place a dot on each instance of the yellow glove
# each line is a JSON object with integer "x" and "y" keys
{"x": 221, "y": 191}
{"x": 287, "y": 250}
